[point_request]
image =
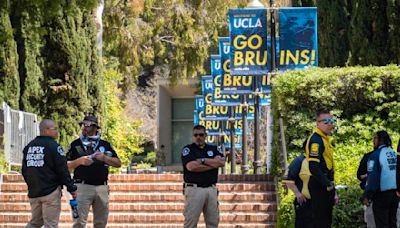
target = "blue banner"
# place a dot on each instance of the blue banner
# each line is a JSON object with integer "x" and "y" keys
{"x": 238, "y": 84}
{"x": 224, "y": 51}
{"x": 217, "y": 127}
{"x": 212, "y": 139}
{"x": 212, "y": 111}
{"x": 219, "y": 98}
{"x": 244, "y": 84}
{"x": 248, "y": 41}
{"x": 298, "y": 38}
{"x": 232, "y": 97}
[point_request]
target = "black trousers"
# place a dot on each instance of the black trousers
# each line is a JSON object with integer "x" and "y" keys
{"x": 303, "y": 214}
{"x": 385, "y": 208}
{"x": 322, "y": 203}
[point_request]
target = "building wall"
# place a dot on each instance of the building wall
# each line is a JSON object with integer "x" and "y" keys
{"x": 167, "y": 100}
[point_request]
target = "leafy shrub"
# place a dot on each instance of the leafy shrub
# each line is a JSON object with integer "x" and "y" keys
{"x": 349, "y": 212}
{"x": 363, "y": 99}
{"x": 121, "y": 131}
{"x": 3, "y": 162}
{"x": 285, "y": 209}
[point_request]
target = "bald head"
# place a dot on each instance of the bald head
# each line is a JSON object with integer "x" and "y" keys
{"x": 48, "y": 128}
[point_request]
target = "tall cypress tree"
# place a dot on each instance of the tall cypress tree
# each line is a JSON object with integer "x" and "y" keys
{"x": 59, "y": 65}
{"x": 73, "y": 70}
{"x": 332, "y": 33}
{"x": 9, "y": 78}
{"x": 369, "y": 33}
{"x": 27, "y": 22}
{"x": 393, "y": 14}
{"x": 303, "y": 3}
{"x": 379, "y": 48}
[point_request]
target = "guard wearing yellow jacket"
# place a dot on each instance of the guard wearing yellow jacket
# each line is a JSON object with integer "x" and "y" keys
{"x": 319, "y": 153}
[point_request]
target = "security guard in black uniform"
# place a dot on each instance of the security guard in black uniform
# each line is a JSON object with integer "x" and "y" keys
{"x": 44, "y": 168}
{"x": 90, "y": 157}
{"x": 319, "y": 153}
{"x": 200, "y": 173}
{"x": 297, "y": 179}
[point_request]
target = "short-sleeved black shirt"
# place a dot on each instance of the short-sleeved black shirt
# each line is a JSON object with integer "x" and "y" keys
{"x": 192, "y": 152}
{"x": 294, "y": 171}
{"x": 95, "y": 173}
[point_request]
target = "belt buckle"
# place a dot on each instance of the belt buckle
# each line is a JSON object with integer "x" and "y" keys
{"x": 190, "y": 185}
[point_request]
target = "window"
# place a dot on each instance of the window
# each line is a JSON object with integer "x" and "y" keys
{"x": 182, "y": 125}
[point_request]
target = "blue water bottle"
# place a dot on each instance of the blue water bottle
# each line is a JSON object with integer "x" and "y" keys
{"x": 74, "y": 208}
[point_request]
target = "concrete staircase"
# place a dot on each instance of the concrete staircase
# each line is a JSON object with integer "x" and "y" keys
{"x": 156, "y": 200}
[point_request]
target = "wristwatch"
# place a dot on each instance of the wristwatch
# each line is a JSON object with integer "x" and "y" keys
{"x": 203, "y": 161}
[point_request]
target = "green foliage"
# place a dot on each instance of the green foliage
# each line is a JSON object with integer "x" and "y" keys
{"x": 144, "y": 165}
{"x": 174, "y": 36}
{"x": 59, "y": 69}
{"x": 119, "y": 130}
{"x": 333, "y": 33}
{"x": 393, "y": 14}
{"x": 349, "y": 212}
{"x": 286, "y": 213}
{"x": 72, "y": 70}
{"x": 3, "y": 163}
{"x": 363, "y": 99}
{"x": 9, "y": 78}
{"x": 369, "y": 36}
{"x": 151, "y": 158}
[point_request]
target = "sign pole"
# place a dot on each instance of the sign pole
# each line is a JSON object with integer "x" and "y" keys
{"x": 222, "y": 141}
{"x": 273, "y": 70}
{"x": 245, "y": 167}
{"x": 257, "y": 161}
{"x": 232, "y": 127}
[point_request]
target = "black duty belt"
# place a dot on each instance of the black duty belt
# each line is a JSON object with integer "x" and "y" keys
{"x": 198, "y": 185}
{"x": 96, "y": 183}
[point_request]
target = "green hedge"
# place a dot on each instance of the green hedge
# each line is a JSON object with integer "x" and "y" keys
{"x": 363, "y": 99}
{"x": 348, "y": 213}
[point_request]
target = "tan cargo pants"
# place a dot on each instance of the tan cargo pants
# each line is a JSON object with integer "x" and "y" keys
{"x": 369, "y": 216}
{"x": 45, "y": 210}
{"x": 199, "y": 200}
{"x": 97, "y": 197}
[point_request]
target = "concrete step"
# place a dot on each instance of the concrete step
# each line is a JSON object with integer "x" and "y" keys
{"x": 152, "y": 207}
{"x": 123, "y": 178}
{"x": 155, "y": 225}
{"x": 156, "y": 200}
{"x": 146, "y": 218}
{"x": 161, "y": 197}
{"x": 159, "y": 187}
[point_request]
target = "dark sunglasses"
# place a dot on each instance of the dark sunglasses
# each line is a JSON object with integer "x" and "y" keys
{"x": 200, "y": 134}
{"x": 88, "y": 125}
{"x": 327, "y": 120}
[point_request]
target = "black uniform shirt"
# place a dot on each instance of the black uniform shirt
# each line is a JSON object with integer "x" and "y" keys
{"x": 97, "y": 172}
{"x": 44, "y": 167}
{"x": 363, "y": 169}
{"x": 321, "y": 165}
{"x": 192, "y": 152}
{"x": 293, "y": 172}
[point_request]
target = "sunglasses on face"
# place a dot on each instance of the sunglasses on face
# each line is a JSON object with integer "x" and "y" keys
{"x": 88, "y": 125}
{"x": 328, "y": 120}
{"x": 200, "y": 134}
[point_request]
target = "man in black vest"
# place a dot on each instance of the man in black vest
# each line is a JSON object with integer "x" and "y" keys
{"x": 90, "y": 157}
{"x": 200, "y": 173}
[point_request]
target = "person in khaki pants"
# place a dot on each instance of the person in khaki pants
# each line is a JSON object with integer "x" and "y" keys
{"x": 200, "y": 164}
{"x": 44, "y": 168}
{"x": 90, "y": 157}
